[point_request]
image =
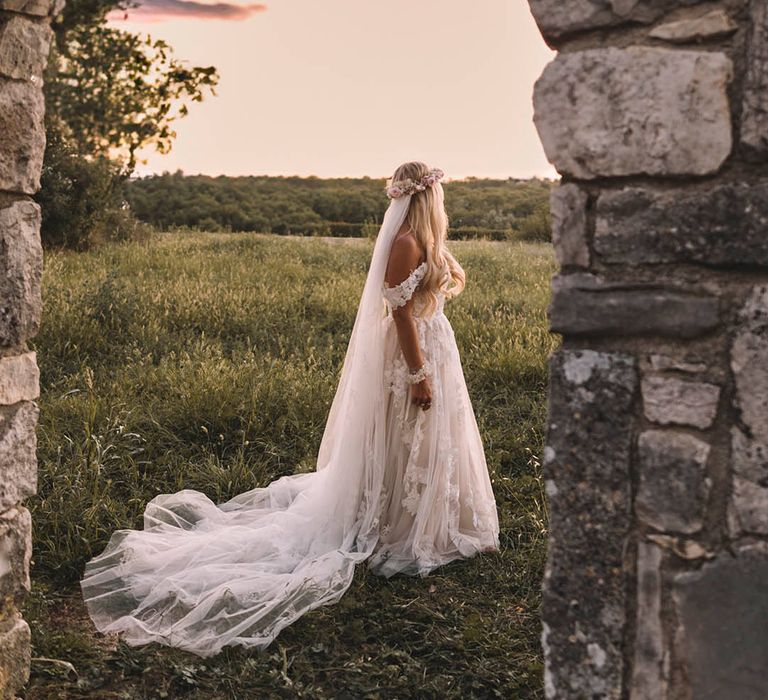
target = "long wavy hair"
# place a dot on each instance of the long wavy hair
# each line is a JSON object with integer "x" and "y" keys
{"x": 428, "y": 220}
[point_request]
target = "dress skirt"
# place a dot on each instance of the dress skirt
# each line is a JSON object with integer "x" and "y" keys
{"x": 437, "y": 500}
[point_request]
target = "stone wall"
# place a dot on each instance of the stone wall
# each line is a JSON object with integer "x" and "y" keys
{"x": 25, "y": 37}
{"x": 655, "y": 112}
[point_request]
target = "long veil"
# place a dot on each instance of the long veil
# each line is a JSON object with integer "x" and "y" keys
{"x": 201, "y": 576}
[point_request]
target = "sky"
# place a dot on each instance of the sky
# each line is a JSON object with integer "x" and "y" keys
{"x": 347, "y": 88}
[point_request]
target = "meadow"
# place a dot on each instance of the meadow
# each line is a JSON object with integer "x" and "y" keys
{"x": 209, "y": 361}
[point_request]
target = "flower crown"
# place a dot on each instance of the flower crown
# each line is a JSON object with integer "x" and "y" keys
{"x": 408, "y": 186}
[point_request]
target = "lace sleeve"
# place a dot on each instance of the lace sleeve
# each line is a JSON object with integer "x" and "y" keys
{"x": 399, "y": 295}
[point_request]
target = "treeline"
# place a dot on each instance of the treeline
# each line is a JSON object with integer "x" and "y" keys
{"x": 111, "y": 95}
{"x": 477, "y": 208}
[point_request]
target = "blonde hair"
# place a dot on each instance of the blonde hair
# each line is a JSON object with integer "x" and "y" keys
{"x": 428, "y": 220}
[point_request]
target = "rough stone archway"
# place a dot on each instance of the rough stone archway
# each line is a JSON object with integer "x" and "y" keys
{"x": 25, "y": 37}
{"x": 655, "y": 112}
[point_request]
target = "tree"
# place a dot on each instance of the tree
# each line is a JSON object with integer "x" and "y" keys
{"x": 114, "y": 92}
{"x": 109, "y": 94}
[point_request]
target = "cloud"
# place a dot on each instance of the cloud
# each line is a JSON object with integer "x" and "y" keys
{"x": 160, "y": 10}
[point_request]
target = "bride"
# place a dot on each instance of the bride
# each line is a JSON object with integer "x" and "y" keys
{"x": 401, "y": 478}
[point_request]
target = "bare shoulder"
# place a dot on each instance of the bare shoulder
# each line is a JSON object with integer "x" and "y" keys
{"x": 404, "y": 257}
{"x": 406, "y": 245}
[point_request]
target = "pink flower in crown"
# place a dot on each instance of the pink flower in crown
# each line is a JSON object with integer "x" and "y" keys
{"x": 408, "y": 186}
{"x": 434, "y": 175}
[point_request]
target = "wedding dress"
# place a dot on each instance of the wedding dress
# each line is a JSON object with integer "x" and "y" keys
{"x": 406, "y": 489}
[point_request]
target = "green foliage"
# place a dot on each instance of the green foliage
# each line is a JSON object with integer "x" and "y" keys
{"x": 477, "y": 208}
{"x": 370, "y": 228}
{"x": 117, "y": 92}
{"x": 108, "y": 94}
{"x": 209, "y": 362}
{"x": 82, "y": 200}
{"x": 537, "y": 226}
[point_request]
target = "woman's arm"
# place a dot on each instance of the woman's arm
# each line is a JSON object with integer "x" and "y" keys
{"x": 404, "y": 257}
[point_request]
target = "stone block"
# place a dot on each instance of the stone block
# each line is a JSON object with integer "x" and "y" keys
{"x": 586, "y": 468}
{"x": 21, "y": 268}
{"x": 673, "y": 485}
{"x": 754, "y": 116}
{"x": 22, "y": 136}
{"x": 660, "y": 363}
{"x": 39, "y": 8}
{"x": 748, "y": 510}
{"x": 670, "y": 401}
{"x": 711, "y": 25}
{"x": 723, "y": 612}
{"x": 715, "y": 225}
{"x": 15, "y": 656}
{"x": 557, "y": 18}
{"x": 18, "y": 460}
{"x": 640, "y": 110}
{"x": 24, "y": 46}
{"x": 15, "y": 553}
{"x": 648, "y": 678}
{"x": 749, "y": 362}
{"x": 584, "y": 305}
{"x": 19, "y": 378}
{"x": 568, "y": 204}
{"x": 749, "y": 440}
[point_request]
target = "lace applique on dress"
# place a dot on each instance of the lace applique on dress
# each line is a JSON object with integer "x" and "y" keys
{"x": 415, "y": 475}
{"x": 399, "y": 295}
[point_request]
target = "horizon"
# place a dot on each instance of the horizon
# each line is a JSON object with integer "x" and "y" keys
{"x": 445, "y": 180}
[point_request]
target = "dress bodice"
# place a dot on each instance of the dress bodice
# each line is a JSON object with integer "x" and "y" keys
{"x": 400, "y": 294}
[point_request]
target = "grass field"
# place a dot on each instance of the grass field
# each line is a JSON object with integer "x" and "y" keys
{"x": 209, "y": 361}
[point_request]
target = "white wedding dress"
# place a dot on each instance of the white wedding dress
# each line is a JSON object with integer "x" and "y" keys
{"x": 437, "y": 502}
{"x": 406, "y": 489}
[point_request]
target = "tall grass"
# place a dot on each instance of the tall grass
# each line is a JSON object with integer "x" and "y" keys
{"x": 209, "y": 361}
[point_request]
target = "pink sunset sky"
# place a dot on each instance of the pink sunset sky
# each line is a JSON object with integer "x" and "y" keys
{"x": 354, "y": 87}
